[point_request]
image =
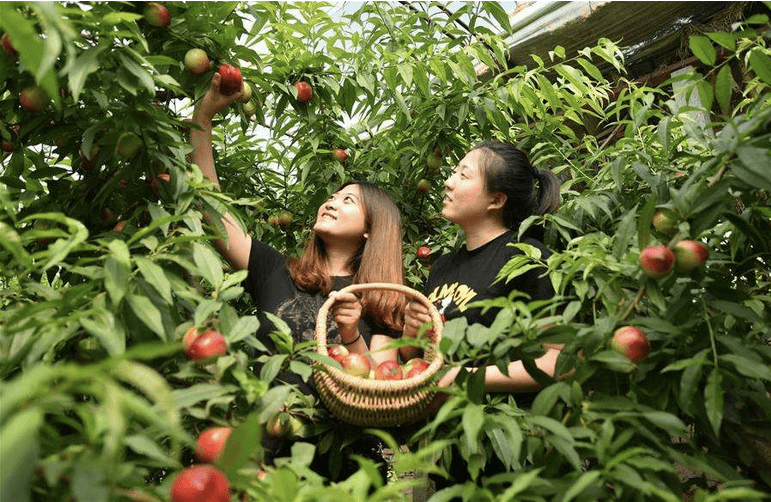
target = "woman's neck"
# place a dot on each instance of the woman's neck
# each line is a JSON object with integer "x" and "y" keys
{"x": 481, "y": 233}
{"x": 339, "y": 262}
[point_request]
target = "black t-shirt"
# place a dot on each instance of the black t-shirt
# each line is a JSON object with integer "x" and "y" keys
{"x": 273, "y": 290}
{"x": 462, "y": 277}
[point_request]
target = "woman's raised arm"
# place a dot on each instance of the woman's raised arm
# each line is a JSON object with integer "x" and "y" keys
{"x": 236, "y": 249}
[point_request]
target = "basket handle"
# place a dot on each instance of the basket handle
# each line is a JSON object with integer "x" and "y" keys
{"x": 321, "y": 319}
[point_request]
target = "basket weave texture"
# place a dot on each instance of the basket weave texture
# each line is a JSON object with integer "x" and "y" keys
{"x": 378, "y": 403}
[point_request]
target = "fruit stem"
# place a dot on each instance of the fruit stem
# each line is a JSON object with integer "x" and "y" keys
{"x": 717, "y": 176}
{"x": 634, "y": 303}
{"x": 711, "y": 333}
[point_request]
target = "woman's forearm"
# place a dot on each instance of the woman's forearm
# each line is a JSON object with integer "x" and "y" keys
{"x": 238, "y": 244}
{"x": 201, "y": 141}
{"x": 517, "y": 379}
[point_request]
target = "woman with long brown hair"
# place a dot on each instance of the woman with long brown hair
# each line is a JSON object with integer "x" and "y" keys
{"x": 356, "y": 239}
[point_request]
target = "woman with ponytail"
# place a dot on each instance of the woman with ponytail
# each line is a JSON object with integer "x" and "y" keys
{"x": 489, "y": 194}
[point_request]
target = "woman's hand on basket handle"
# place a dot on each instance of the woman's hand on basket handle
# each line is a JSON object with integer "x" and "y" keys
{"x": 415, "y": 315}
{"x": 346, "y": 312}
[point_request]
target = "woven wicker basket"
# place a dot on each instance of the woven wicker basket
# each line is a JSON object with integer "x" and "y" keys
{"x": 378, "y": 403}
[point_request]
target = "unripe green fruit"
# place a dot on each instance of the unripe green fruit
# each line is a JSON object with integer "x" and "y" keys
{"x": 157, "y": 14}
{"x": 196, "y": 61}
{"x": 689, "y": 255}
{"x": 249, "y": 108}
{"x": 664, "y": 222}
{"x": 128, "y": 145}
{"x": 247, "y": 93}
{"x": 434, "y": 162}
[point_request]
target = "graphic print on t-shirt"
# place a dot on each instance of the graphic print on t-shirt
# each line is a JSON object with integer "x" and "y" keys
{"x": 447, "y": 294}
{"x": 300, "y": 311}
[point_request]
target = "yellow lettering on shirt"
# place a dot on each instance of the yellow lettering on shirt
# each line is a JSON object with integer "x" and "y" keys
{"x": 461, "y": 294}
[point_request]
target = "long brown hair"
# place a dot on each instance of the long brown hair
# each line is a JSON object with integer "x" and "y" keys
{"x": 379, "y": 259}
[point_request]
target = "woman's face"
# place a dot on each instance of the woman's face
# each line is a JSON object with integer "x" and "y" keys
{"x": 466, "y": 200}
{"x": 342, "y": 216}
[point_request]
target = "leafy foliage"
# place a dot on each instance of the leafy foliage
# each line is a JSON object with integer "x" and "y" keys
{"x": 106, "y": 261}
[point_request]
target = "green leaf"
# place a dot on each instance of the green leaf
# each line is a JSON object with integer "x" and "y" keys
{"x": 522, "y": 482}
{"x": 421, "y": 80}
{"x": 760, "y": 63}
{"x": 702, "y": 48}
{"x": 567, "y": 450}
{"x": 614, "y": 361}
{"x": 552, "y": 426}
{"x": 101, "y": 324}
{"x": 85, "y": 64}
{"x": 586, "y": 480}
{"x": 187, "y": 397}
{"x": 147, "y": 312}
{"x": 114, "y": 18}
{"x": 32, "y": 48}
{"x": 592, "y": 70}
{"x": 500, "y": 15}
{"x": 624, "y": 232}
{"x": 61, "y": 248}
{"x": 473, "y": 419}
{"x": 666, "y": 421}
{"x": 271, "y": 367}
{"x": 736, "y": 310}
{"x": 757, "y": 18}
{"x": 574, "y": 77}
{"x": 644, "y": 224}
{"x": 706, "y": 94}
{"x": 116, "y": 276}
{"x": 727, "y": 40}
{"x": 143, "y": 76}
{"x": 245, "y": 326}
{"x": 690, "y": 379}
{"x": 243, "y": 441}
{"x": 11, "y": 241}
{"x": 514, "y": 439}
{"x": 209, "y": 264}
{"x": 714, "y": 400}
{"x": 546, "y": 398}
{"x": 151, "y": 383}
{"x": 748, "y": 367}
{"x": 19, "y": 450}
{"x": 156, "y": 277}
{"x": 149, "y": 448}
{"x": 89, "y": 481}
{"x": 752, "y": 167}
{"x": 724, "y": 88}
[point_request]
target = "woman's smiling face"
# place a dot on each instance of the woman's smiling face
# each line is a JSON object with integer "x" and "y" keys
{"x": 342, "y": 216}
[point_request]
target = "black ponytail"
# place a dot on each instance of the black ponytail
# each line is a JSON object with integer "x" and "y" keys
{"x": 528, "y": 190}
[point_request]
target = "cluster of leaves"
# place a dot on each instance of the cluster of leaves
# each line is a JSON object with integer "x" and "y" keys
{"x": 98, "y": 401}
